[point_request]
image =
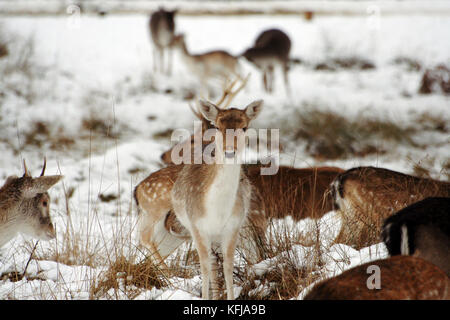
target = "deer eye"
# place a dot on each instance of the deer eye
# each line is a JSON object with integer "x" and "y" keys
{"x": 45, "y": 203}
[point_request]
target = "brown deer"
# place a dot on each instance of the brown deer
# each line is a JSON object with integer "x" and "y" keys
{"x": 25, "y": 206}
{"x": 401, "y": 278}
{"x": 162, "y": 30}
{"x": 216, "y": 64}
{"x": 299, "y": 193}
{"x": 229, "y": 92}
{"x": 422, "y": 230}
{"x": 212, "y": 201}
{"x": 271, "y": 49}
{"x": 366, "y": 196}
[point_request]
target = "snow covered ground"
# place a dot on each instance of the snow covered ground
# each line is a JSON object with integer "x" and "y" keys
{"x": 96, "y": 72}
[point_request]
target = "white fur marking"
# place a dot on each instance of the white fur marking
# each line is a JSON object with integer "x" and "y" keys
{"x": 404, "y": 246}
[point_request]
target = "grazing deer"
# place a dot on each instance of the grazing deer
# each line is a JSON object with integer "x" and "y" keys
{"x": 401, "y": 278}
{"x": 212, "y": 201}
{"x": 422, "y": 230}
{"x": 25, "y": 206}
{"x": 217, "y": 64}
{"x": 162, "y": 30}
{"x": 366, "y": 196}
{"x": 271, "y": 49}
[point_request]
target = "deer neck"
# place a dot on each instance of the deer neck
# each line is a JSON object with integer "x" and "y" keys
{"x": 9, "y": 225}
{"x": 185, "y": 51}
{"x": 223, "y": 188}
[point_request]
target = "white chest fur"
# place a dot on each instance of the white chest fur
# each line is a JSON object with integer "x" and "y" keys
{"x": 220, "y": 200}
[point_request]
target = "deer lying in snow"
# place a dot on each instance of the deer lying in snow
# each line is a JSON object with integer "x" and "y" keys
{"x": 401, "y": 278}
{"x": 422, "y": 230}
{"x": 25, "y": 206}
{"x": 366, "y": 196}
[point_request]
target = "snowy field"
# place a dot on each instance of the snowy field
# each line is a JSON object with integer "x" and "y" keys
{"x": 82, "y": 93}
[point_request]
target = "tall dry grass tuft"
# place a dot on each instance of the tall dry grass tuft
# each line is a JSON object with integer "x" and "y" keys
{"x": 123, "y": 277}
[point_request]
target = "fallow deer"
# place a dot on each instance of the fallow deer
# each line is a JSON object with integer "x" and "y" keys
{"x": 229, "y": 92}
{"x": 298, "y": 193}
{"x": 418, "y": 240}
{"x": 366, "y": 196}
{"x": 216, "y": 64}
{"x": 401, "y": 278}
{"x": 271, "y": 49}
{"x": 212, "y": 201}
{"x": 422, "y": 230}
{"x": 162, "y": 30}
{"x": 25, "y": 206}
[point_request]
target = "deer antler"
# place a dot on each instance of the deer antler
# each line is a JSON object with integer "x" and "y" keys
{"x": 26, "y": 173}
{"x": 43, "y": 168}
{"x": 228, "y": 93}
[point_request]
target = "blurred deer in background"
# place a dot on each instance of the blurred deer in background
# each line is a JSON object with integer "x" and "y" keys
{"x": 216, "y": 64}
{"x": 162, "y": 30}
{"x": 271, "y": 49}
{"x": 25, "y": 206}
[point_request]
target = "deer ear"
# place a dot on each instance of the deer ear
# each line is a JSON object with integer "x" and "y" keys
{"x": 208, "y": 110}
{"x": 253, "y": 109}
{"x": 40, "y": 185}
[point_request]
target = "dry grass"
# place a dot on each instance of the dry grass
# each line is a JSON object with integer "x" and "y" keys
{"x": 345, "y": 63}
{"x": 329, "y": 135}
{"x": 124, "y": 276}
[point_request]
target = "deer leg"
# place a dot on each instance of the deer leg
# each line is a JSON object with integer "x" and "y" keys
{"x": 146, "y": 232}
{"x": 286, "y": 78}
{"x": 155, "y": 53}
{"x": 215, "y": 278}
{"x": 228, "y": 249}
{"x": 169, "y": 60}
{"x": 161, "y": 60}
{"x": 271, "y": 79}
{"x": 203, "y": 246}
{"x": 265, "y": 81}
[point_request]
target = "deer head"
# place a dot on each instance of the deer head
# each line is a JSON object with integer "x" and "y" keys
{"x": 229, "y": 123}
{"x": 25, "y": 205}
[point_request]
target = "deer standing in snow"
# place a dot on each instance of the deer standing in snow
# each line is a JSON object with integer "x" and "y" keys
{"x": 212, "y": 201}
{"x": 162, "y": 30}
{"x": 25, "y": 206}
{"x": 271, "y": 49}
